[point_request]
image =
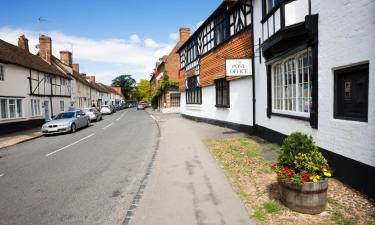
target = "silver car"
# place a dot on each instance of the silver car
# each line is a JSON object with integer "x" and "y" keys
{"x": 66, "y": 122}
{"x": 93, "y": 113}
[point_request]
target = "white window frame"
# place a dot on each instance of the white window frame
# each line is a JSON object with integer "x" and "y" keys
{"x": 62, "y": 106}
{"x": 35, "y": 108}
{"x": 15, "y": 109}
{"x": 2, "y": 72}
{"x": 291, "y": 107}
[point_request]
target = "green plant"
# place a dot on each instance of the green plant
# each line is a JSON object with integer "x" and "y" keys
{"x": 160, "y": 88}
{"x": 340, "y": 219}
{"x": 272, "y": 207}
{"x": 300, "y": 160}
{"x": 260, "y": 214}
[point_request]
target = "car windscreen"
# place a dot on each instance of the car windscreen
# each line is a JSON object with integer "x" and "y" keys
{"x": 65, "y": 115}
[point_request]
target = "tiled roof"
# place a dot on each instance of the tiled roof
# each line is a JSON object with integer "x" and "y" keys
{"x": 15, "y": 55}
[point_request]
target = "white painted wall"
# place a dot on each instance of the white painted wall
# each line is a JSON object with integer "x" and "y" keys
{"x": 241, "y": 106}
{"x": 346, "y": 36}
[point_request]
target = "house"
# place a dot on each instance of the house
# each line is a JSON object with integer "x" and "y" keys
{"x": 169, "y": 101}
{"x": 311, "y": 70}
{"x": 31, "y": 89}
{"x": 316, "y": 75}
{"x": 207, "y": 90}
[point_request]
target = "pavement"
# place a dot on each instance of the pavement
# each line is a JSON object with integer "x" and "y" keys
{"x": 89, "y": 177}
{"x": 186, "y": 184}
{"x": 19, "y": 137}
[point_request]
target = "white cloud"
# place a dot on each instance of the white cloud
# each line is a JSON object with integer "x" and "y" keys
{"x": 174, "y": 36}
{"x": 131, "y": 56}
{"x": 135, "y": 38}
{"x": 151, "y": 43}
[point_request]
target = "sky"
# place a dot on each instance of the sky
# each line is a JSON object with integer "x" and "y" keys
{"x": 107, "y": 37}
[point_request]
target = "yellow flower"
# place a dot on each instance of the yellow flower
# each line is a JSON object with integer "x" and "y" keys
{"x": 315, "y": 178}
{"x": 327, "y": 174}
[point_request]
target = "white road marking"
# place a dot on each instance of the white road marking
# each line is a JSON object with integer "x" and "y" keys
{"x": 118, "y": 118}
{"x": 153, "y": 117}
{"x": 1, "y": 174}
{"x": 51, "y": 153}
{"x": 107, "y": 126}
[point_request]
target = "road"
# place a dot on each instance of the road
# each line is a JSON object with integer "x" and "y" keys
{"x": 89, "y": 177}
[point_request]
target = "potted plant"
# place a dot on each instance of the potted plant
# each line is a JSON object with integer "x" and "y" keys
{"x": 302, "y": 173}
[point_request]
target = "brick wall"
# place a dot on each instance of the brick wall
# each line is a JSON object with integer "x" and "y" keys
{"x": 212, "y": 65}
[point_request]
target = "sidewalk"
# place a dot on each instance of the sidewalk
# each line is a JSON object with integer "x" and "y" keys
{"x": 186, "y": 185}
{"x": 18, "y": 137}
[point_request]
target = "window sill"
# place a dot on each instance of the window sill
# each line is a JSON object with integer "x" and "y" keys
{"x": 222, "y": 106}
{"x": 347, "y": 118}
{"x": 291, "y": 116}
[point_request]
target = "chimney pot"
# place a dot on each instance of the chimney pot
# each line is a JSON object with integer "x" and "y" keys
{"x": 66, "y": 58}
{"x": 45, "y": 48}
{"x": 23, "y": 43}
{"x": 184, "y": 34}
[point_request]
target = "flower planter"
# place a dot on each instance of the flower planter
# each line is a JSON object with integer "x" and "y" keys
{"x": 308, "y": 198}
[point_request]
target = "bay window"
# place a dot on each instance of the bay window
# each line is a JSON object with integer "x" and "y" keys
{"x": 292, "y": 84}
{"x": 11, "y": 108}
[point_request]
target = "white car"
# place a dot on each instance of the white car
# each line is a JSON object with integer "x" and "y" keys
{"x": 106, "y": 110}
{"x": 66, "y": 122}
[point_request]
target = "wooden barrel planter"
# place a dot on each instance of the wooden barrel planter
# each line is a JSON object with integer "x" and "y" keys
{"x": 308, "y": 198}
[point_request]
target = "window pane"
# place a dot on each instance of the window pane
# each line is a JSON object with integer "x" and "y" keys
{"x": 12, "y": 108}
{"x": 4, "y": 108}
{"x": 19, "y": 107}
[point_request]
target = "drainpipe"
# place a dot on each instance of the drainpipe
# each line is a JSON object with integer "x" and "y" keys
{"x": 50, "y": 79}
{"x": 253, "y": 66}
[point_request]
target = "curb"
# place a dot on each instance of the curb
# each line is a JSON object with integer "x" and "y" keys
{"x": 22, "y": 141}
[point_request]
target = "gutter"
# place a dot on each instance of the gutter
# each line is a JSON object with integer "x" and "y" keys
{"x": 253, "y": 67}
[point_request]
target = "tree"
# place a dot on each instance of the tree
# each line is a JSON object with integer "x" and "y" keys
{"x": 143, "y": 94}
{"x": 126, "y": 82}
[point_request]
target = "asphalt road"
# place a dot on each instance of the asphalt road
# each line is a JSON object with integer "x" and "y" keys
{"x": 89, "y": 177}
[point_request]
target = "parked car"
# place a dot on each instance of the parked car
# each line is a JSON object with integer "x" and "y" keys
{"x": 93, "y": 113}
{"x": 113, "y": 109}
{"x": 105, "y": 110}
{"x": 68, "y": 121}
{"x": 140, "y": 107}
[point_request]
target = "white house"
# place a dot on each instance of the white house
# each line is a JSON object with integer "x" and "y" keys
{"x": 31, "y": 89}
{"x": 312, "y": 71}
{"x": 316, "y": 75}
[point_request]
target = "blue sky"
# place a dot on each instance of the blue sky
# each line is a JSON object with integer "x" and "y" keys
{"x": 107, "y": 37}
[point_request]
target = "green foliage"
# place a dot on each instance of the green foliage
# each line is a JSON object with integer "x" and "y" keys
{"x": 260, "y": 214}
{"x": 142, "y": 91}
{"x": 159, "y": 90}
{"x": 126, "y": 82}
{"x": 299, "y": 151}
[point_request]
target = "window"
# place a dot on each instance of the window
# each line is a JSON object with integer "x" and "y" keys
{"x": 193, "y": 91}
{"x": 2, "y": 72}
{"x": 175, "y": 100}
{"x": 222, "y": 92}
{"x": 221, "y": 28}
{"x": 35, "y": 107}
{"x": 291, "y": 85}
{"x": 270, "y": 4}
{"x": 11, "y": 108}
{"x": 351, "y": 93}
{"x": 62, "y": 106}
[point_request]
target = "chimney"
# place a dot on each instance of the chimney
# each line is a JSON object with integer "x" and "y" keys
{"x": 76, "y": 67}
{"x": 184, "y": 33}
{"x": 66, "y": 58}
{"x": 45, "y": 48}
{"x": 23, "y": 43}
{"x": 92, "y": 79}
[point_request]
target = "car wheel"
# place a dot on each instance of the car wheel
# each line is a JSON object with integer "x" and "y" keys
{"x": 73, "y": 128}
